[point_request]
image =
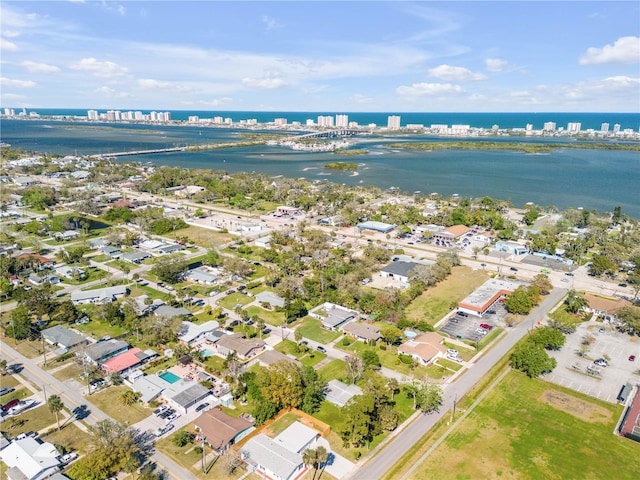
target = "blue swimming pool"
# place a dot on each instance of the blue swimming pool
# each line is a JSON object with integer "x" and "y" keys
{"x": 207, "y": 353}
{"x": 169, "y": 377}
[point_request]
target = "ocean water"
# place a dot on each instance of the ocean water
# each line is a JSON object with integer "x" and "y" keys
{"x": 592, "y": 179}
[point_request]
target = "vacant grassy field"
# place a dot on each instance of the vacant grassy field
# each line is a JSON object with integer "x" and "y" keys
{"x": 34, "y": 419}
{"x": 70, "y": 436}
{"x": 230, "y": 301}
{"x": 531, "y": 429}
{"x": 439, "y": 300}
{"x": 270, "y": 316}
{"x": 202, "y": 236}
{"x": 108, "y": 400}
{"x": 312, "y": 329}
{"x": 334, "y": 370}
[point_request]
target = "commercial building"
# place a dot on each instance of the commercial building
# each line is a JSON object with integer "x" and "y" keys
{"x": 393, "y": 122}
{"x": 376, "y": 226}
{"x": 491, "y": 291}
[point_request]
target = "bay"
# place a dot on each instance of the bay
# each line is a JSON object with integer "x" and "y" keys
{"x": 592, "y": 179}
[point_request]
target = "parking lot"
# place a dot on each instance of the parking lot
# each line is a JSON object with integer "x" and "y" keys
{"x": 468, "y": 327}
{"x": 604, "y": 383}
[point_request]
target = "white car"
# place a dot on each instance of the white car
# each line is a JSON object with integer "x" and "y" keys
{"x": 68, "y": 457}
{"x": 453, "y": 352}
{"x": 162, "y": 430}
{"x": 455, "y": 358}
{"x": 481, "y": 331}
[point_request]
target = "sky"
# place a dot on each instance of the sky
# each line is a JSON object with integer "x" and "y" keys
{"x": 331, "y": 56}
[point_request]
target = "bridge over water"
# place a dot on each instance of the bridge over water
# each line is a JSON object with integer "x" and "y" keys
{"x": 140, "y": 152}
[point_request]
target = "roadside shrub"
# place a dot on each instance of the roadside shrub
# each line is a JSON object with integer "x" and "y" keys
{"x": 406, "y": 359}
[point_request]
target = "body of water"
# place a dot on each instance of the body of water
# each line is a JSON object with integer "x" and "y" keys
{"x": 592, "y": 179}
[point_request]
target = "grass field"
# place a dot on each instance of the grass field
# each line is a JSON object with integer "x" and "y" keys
{"x": 270, "y": 316}
{"x": 33, "y": 419}
{"x": 311, "y": 328}
{"x": 439, "y": 300}
{"x": 202, "y": 236}
{"x": 70, "y": 436}
{"x": 230, "y": 301}
{"x": 108, "y": 400}
{"x": 531, "y": 429}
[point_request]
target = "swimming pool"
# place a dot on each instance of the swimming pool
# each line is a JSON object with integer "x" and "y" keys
{"x": 207, "y": 353}
{"x": 169, "y": 377}
{"x": 410, "y": 334}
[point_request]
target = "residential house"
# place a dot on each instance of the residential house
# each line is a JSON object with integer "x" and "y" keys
{"x": 191, "y": 331}
{"x": 60, "y": 336}
{"x": 39, "y": 280}
{"x": 271, "y": 357}
{"x": 220, "y": 430}
{"x": 135, "y": 257}
{"x": 297, "y": 437}
{"x": 71, "y": 273}
{"x": 128, "y": 360}
{"x": 333, "y": 316}
{"x": 362, "y": 331}
{"x": 184, "y": 394}
{"x": 245, "y": 348}
{"x": 99, "y": 295}
{"x": 100, "y": 351}
{"x": 28, "y": 459}
{"x": 113, "y": 252}
{"x": 204, "y": 275}
{"x": 425, "y": 348}
{"x": 399, "y": 270}
{"x": 167, "y": 311}
{"x": 340, "y": 393}
{"x": 67, "y": 235}
{"x": 263, "y": 242}
{"x": 267, "y": 457}
{"x": 271, "y": 298}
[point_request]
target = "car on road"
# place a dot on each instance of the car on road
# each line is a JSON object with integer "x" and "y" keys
{"x": 320, "y": 348}
{"x": 513, "y": 269}
{"x": 483, "y": 265}
{"x": 632, "y": 358}
{"x": 5, "y": 390}
{"x": 68, "y": 457}
{"x": 229, "y": 292}
{"x": 27, "y": 434}
{"x": 569, "y": 274}
{"x": 202, "y": 406}
{"x": 623, "y": 285}
{"x": 601, "y": 362}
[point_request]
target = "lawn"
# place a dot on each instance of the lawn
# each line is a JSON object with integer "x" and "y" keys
{"x": 312, "y": 329}
{"x": 388, "y": 358}
{"x": 18, "y": 393}
{"x": 35, "y": 419}
{"x": 202, "y": 236}
{"x": 288, "y": 347}
{"x": 138, "y": 289}
{"x": 99, "y": 329}
{"x": 230, "y": 301}
{"x": 465, "y": 353}
{"x": 532, "y": 429}
{"x": 9, "y": 381}
{"x": 72, "y": 370}
{"x": 270, "y": 316}
{"x": 70, "y": 437}
{"x": 92, "y": 273}
{"x": 28, "y": 348}
{"x": 439, "y": 300}
{"x": 108, "y": 400}
{"x": 334, "y": 370}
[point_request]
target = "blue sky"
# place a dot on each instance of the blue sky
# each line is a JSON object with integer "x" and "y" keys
{"x": 393, "y": 56}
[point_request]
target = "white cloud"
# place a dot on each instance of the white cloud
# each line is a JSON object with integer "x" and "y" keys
{"x": 495, "y": 64}
{"x": 419, "y": 89}
{"x": 10, "y": 33}
{"x": 267, "y": 83}
{"x": 7, "y": 82}
{"x": 99, "y": 69}
{"x": 270, "y": 23}
{"x": 150, "y": 84}
{"x": 35, "y": 67}
{"x": 110, "y": 92}
{"x": 623, "y": 50}
{"x": 449, "y": 73}
{"x": 6, "y": 97}
{"x": 218, "y": 102}
{"x": 8, "y": 46}
{"x": 359, "y": 98}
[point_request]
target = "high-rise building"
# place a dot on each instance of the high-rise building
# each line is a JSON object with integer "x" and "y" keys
{"x": 616, "y": 128}
{"x": 574, "y": 127}
{"x": 604, "y": 128}
{"x": 92, "y": 115}
{"x": 280, "y": 121}
{"x": 310, "y": 122}
{"x": 342, "y": 121}
{"x": 393, "y": 122}
{"x": 549, "y": 127}
{"x": 325, "y": 121}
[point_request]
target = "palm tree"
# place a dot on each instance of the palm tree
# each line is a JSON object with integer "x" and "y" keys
{"x": 309, "y": 457}
{"x": 321, "y": 457}
{"x": 55, "y": 406}
{"x": 129, "y": 397}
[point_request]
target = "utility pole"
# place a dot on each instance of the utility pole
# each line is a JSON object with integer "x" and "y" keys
{"x": 44, "y": 350}
{"x": 203, "y": 438}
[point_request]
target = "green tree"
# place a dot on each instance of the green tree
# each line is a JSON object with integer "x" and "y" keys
{"x": 65, "y": 312}
{"x": 370, "y": 359}
{"x": 55, "y": 406}
{"x": 170, "y": 269}
{"x": 390, "y": 333}
{"x": 182, "y": 438}
{"x": 629, "y": 316}
{"x": 542, "y": 283}
{"x": 519, "y": 302}
{"x": 129, "y": 397}
{"x": 429, "y": 397}
{"x": 20, "y": 323}
{"x": 531, "y": 359}
{"x": 601, "y": 264}
{"x": 355, "y": 367}
{"x": 548, "y": 337}
{"x": 282, "y": 385}
{"x": 575, "y": 302}
{"x": 358, "y": 426}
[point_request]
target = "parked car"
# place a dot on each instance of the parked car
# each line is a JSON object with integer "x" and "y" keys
{"x": 320, "y": 348}
{"x": 513, "y": 269}
{"x": 486, "y": 326}
{"x": 481, "y": 331}
{"x": 172, "y": 417}
{"x": 27, "y": 434}
{"x": 201, "y": 407}
{"x": 68, "y": 457}
{"x": 162, "y": 430}
{"x": 601, "y": 362}
{"x": 160, "y": 409}
{"x": 5, "y": 390}
{"x": 452, "y": 351}
{"x": 9, "y": 405}
{"x": 632, "y": 358}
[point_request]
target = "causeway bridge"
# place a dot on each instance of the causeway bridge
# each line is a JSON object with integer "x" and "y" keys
{"x": 140, "y": 152}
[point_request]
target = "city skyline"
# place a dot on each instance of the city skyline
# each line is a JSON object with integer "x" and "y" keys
{"x": 322, "y": 56}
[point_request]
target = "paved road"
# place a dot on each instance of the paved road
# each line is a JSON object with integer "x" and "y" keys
{"x": 74, "y": 399}
{"x": 382, "y": 462}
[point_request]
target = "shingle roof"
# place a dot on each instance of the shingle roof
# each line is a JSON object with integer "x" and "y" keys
{"x": 262, "y": 450}
{"x": 400, "y": 268}
{"x": 220, "y": 429}
{"x": 62, "y": 336}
